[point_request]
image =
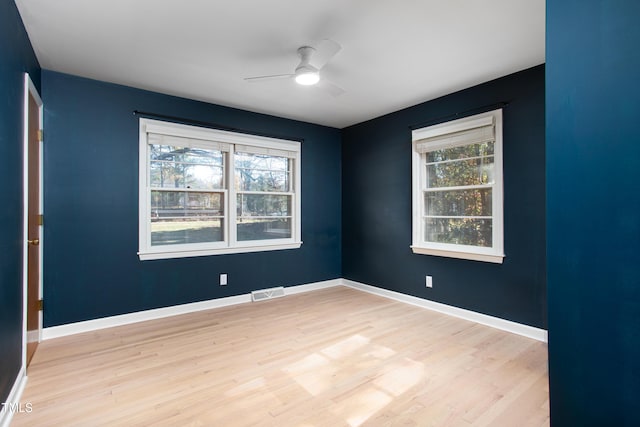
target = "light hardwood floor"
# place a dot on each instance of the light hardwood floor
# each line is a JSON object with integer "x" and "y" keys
{"x": 333, "y": 357}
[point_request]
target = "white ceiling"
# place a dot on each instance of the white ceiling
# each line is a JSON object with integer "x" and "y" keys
{"x": 394, "y": 53}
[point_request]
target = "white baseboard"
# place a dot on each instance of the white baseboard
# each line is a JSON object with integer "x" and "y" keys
{"x": 495, "y": 322}
{"x": 159, "y": 313}
{"x": 292, "y": 290}
{"x": 6, "y": 415}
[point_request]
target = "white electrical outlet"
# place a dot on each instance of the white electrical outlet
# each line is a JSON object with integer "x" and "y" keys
{"x": 429, "y": 282}
{"x": 223, "y": 279}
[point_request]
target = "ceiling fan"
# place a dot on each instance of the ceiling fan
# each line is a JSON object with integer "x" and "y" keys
{"x": 312, "y": 61}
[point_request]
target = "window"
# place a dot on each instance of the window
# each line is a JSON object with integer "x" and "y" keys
{"x": 207, "y": 192}
{"x": 457, "y": 188}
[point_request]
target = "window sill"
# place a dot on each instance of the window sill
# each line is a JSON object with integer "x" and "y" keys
{"x": 496, "y": 259}
{"x": 150, "y": 255}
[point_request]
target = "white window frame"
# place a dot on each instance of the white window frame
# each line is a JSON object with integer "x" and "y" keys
{"x": 215, "y": 138}
{"x": 445, "y": 135}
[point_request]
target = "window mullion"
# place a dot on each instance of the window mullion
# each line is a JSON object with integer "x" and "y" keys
{"x": 462, "y": 159}
{"x": 268, "y": 193}
{"x": 458, "y": 187}
{"x": 232, "y": 229}
{"x": 294, "y": 188}
{"x": 425, "y": 186}
{"x": 148, "y": 193}
{"x": 458, "y": 216}
{"x": 186, "y": 190}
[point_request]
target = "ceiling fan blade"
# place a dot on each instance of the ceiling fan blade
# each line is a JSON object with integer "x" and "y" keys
{"x": 325, "y": 50}
{"x": 267, "y": 78}
{"x": 330, "y": 88}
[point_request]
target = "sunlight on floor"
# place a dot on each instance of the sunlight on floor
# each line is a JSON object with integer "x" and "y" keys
{"x": 401, "y": 377}
{"x": 345, "y": 347}
{"x": 317, "y": 373}
{"x": 247, "y": 387}
{"x": 362, "y": 406}
{"x": 313, "y": 373}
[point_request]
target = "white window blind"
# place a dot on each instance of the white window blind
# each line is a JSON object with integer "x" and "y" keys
{"x": 250, "y": 149}
{"x": 442, "y": 136}
{"x": 180, "y": 141}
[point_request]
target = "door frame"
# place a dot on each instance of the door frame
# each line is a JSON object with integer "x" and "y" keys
{"x": 30, "y": 90}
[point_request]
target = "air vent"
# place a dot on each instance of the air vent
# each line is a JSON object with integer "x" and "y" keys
{"x": 264, "y": 294}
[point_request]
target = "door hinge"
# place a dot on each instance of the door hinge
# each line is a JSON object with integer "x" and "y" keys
{"x": 40, "y": 219}
{"x": 40, "y": 305}
{"x": 40, "y": 135}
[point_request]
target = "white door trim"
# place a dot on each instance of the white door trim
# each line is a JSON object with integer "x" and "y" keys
{"x": 30, "y": 90}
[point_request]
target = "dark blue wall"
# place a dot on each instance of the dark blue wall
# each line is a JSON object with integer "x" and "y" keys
{"x": 91, "y": 268}
{"x": 16, "y": 58}
{"x": 593, "y": 212}
{"x": 376, "y": 220}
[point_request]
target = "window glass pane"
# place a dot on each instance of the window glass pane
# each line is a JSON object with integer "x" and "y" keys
{"x": 202, "y": 156}
{"x": 203, "y": 177}
{"x": 255, "y": 172}
{"x": 460, "y": 172}
{"x": 176, "y": 167}
{"x": 185, "y": 204}
{"x": 183, "y": 175}
{"x": 256, "y": 180}
{"x": 473, "y": 202}
{"x": 263, "y": 228}
{"x": 177, "y": 231}
{"x": 262, "y": 161}
{"x": 167, "y": 175}
{"x": 462, "y": 152}
{"x": 165, "y": 153}
{"x": 473, "y": 232}
{"x": 263, "y": 205}
{"x": 185, "y": 154}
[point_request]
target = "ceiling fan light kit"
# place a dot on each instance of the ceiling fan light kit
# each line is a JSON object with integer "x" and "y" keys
{"x": 307, "y": 76}
{"x": 312, "y": 60}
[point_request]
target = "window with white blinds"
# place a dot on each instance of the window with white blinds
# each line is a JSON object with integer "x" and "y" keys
{"x": 207, "y": 192}
{"x": 458, "y": 188}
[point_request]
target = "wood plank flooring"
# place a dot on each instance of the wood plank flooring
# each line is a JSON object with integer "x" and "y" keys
{"x": 333, "y": 357}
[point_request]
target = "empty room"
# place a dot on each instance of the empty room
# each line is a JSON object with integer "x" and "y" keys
{"x": 334, "y": 213}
